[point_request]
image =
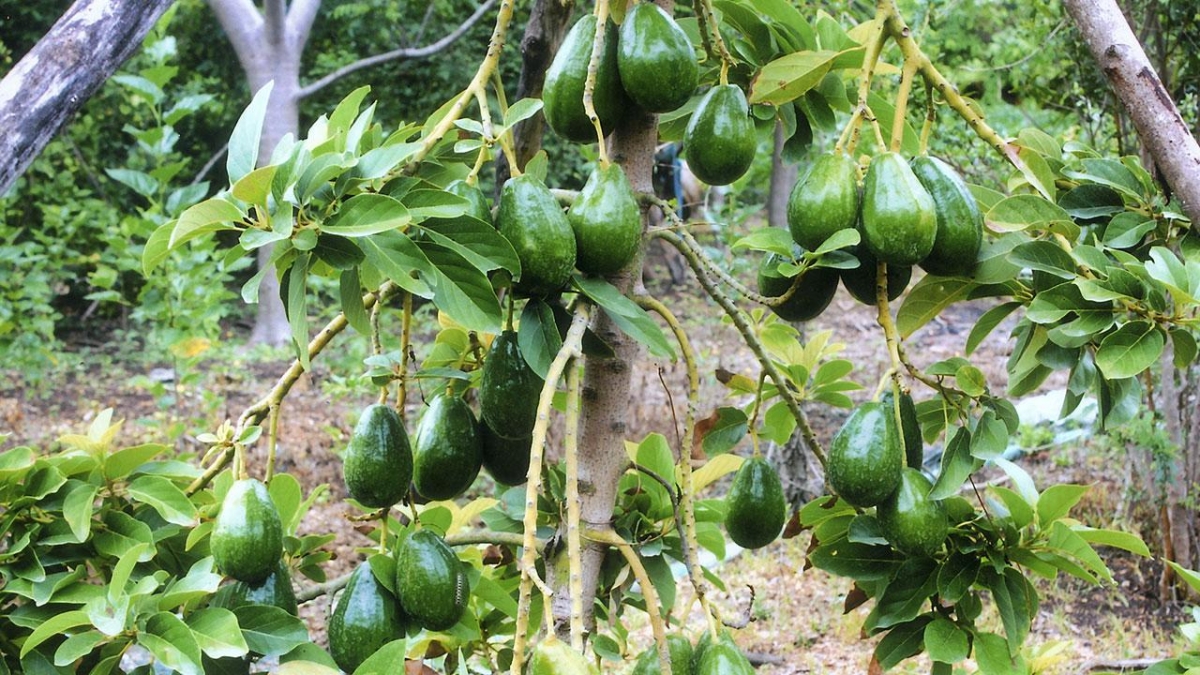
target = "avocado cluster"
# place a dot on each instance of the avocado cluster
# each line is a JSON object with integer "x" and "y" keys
{"x": 907, "y": 213}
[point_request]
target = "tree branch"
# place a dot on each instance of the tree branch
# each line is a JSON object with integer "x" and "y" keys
{"x": 1161, "y": 129}
{"x": 300, "y": 20}
{"x": 402, "y": 53}
{"x": 242, "y": 22}
{"x": 275, "y": 13}
{"x": 62, "y": 71}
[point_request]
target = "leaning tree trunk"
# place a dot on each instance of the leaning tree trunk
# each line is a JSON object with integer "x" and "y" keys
{"x": 783, "y": 177}
{"x": 62, "y": 71}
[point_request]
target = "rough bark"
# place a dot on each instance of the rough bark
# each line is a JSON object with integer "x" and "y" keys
{"x": 783, "y": 178}
{"x": 46, "y": 87}
{"x": 1160, "y": 128}
{"x": 548, "y": 22}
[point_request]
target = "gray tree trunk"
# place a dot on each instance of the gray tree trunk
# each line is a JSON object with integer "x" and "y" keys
{"x": 783, "y": 179}
{"x": 62, "y": 71}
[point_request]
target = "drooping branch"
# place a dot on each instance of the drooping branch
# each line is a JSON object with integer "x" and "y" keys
{"x": 1159, "y": 125}
{"x": 62, "y": 71}
{"x": 403, "y": 53}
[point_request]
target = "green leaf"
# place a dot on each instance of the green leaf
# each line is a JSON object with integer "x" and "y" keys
{"x": 462, "y": 291}
{"x": 904, "y": 596}
{"x": 628, "y": 316}
{"x": 957, "y": 465}
{"x": 778, "y": 423}
{"x": 521, "y": 110}
{"x": 296, "y": 306}
{"x": 217, "y": 632}
{"x": 993, "y": 266}
{"x": 927, "y": 299}
{"x": 790, "y": 76}
{"x": 1122, "y": 540}
{"x": 122, "y": 571}
{"x": 53, "y": 626}
{"x": 78, "y": 646}
{"x": 1037, "y": 172}
{"x": 380, "y": 161}
{"x": 350, "y": 292}
{"x": 945, "y": 641}
{"x": 243, "y": 143}
{"x": 1020, "y": 212}
{"x": 1092, "y": 201}
{"x": 478, "y": 242}
{"x": 255, "y": 187}
{"x": 538, "y": 336}
{"x": 1190, "y": 577}
{"x": 1130, "y": 350}
{"x": 138, "y": 181}
{"x": 1045, "y": 256}
{"x": 1016, "y": 601}
{"x": 841, "y": 239}
{"x": 15, "y": 461}
{"x": 775, "y": 240}
{"x": 1126, "y": 230}
{"x": 1185, "y": 347}
{"x": 77, "y": 509}
{"x": 165, "y": 497}
{"x": 1182, "y": 278}
{"x": 199, "y": 582}
{"x": 901, "y": 642}
{"x": 400, "y": 260}
{"x": 347, "y": 110}
{"x": 1070, "y": 543}
{"x": 125, "y": 461}
{"x": 1108, "y": 172}
{"x": 956, "y": 576}
{"x": 993, "y": 657}
{"x": 1056, "y": 501}
{"x": 726, "y": 431}
{"x": 210, "y": 215}
{"x": 861, "y": 562}
{"x": 270, "y": 631}
{"x": 384, "y": 661}
{"x": 366, "y": 214}
{"x": 971, "y": 380}
{"x": 340, "y": 253}
{"x": 172, "y": 643}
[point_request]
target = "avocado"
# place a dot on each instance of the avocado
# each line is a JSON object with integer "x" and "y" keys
{"x": 430, "y": 581}
{"x": 533, "y": 222}
{"x": 506, "y": 459}
{"x": 755, "y": 507}
{"x": 378, "y": 463}
{"x": 911, "y": 521}
{"x": 681, "y": 656}
{"x": 552, "y": 656}
{"x": 365, "y": 618}
{"x": 864, "y": 460}
{"x": 276, "y": 591}
{"x": 910, "y": 428}
{"x": 607, "y": 222}
{"x": 959, "y": 220}
{"x": 479, "y": 208}
{"x": 860, "y": 281}
{"x": 247, "y": 538}
{"x": 815, "y": 292}
{"x": 448, "y": 453}
{"x": 899, "y": 219}
{"x": 723, "y": 658}
{"x": 509, "y": 389}
{"x": 655, "y": 58}
{"x": 824, "y": 201}
{"x": 719, "y": 141}
{"x": 566, "y": 78}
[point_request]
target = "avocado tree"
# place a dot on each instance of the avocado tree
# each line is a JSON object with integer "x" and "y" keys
{"x": 541, "y": 315}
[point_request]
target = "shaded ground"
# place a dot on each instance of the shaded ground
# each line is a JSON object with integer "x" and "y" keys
{"x": 798, "y": 621}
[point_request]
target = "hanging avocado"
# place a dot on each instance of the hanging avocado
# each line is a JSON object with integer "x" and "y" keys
{"x": 509, "y": 388}
{"x": 824, "y": 202}
{"x": 365, "y": 618}
{"x": 959, "y": 221}
{"x": 899, "y": 220}
{"x": 815, "y": 292}
{"x": 506, "y": 459}
{"x": 865, "y": 458}
{"x": 607, "y": 222}
{"x": 247, "y": 538}
{"x": 860, "y": 281}
{"x": 533, "y": 222}
{"x": 910, "y": 520}
{"x": 448, "y": 453}
{"x": 681, "y": 656}
{"x": 378, "y": 463}
{"x": 552, "y": 656}
{"x": 755, "y": 507}
{"x": 655, "y": 58}
{"x": 276, "y": 591}
{"x": 567, "y": 77}
{"x": 430, "y": 581}
{"x": 478, "y": 206}
{"x": 719, "y": 141}
{"x": 723, "y": 657}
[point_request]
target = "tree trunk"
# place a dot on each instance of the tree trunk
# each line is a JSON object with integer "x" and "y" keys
{"x": 783, "y": 179}
{"x": 62, "y": 71}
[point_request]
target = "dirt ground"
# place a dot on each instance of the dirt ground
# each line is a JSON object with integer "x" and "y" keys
{"x": 798, "y": 624}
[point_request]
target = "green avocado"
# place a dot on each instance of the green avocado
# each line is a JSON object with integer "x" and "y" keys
{"x": 723, "y": 658}
{"x": 681, "y": 657}
{"x": 247, "y": 538}
{"x": 910, "y": 428}
{"x": 755, "y": 507}
{"x": 824, "y": 201}
{"x": 899, "y": 219}
{"x": 506, "y": 459}
{"x": 448, "y": 453}
{"x": 533, "y": 222}
{"x": 655, "y": 58}
{"x": 860, "y": 281}
{"x": 378, "y": 464}
{"x": 566, "y": 78}
{"x": 275, "y": 591}
{"x": 864, "y": 462}
{"x": 552, "y": 656}
{"x": 959, "y": 220}
{"x": 719, "y": 141}
{"x": 509, "y": 388}
{"x": 815, "y": 292}
{"x": 910, "y": 520}
{"x": 479, "y": 208}
{"x": 430, "y": 581}
{"x": 365, "y": 618}
{"x": 607, "y": 222}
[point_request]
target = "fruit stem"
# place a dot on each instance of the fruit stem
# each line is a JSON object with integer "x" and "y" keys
{"x": 930, "y": 118}
{"x": 753, "y": 424}
{"x": 884, "y": 318}
{"x": 688, "y": 539}
{"x": 589, "y": 85}
{"x": 405, "y": 350}
{"x": 902, "y": 95}
{"x": 574, "y": 546}
{"x": 714, "y": 269}
{"x": 710, "y": 34}
{"x": 743, "y": 326}
{"x": 570, "y": 349}
{"x": 874, "y": 44}
{"x": 607, "y": 536}
{"x": 377, "y": 345}
{"x": 272, "y": 441}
